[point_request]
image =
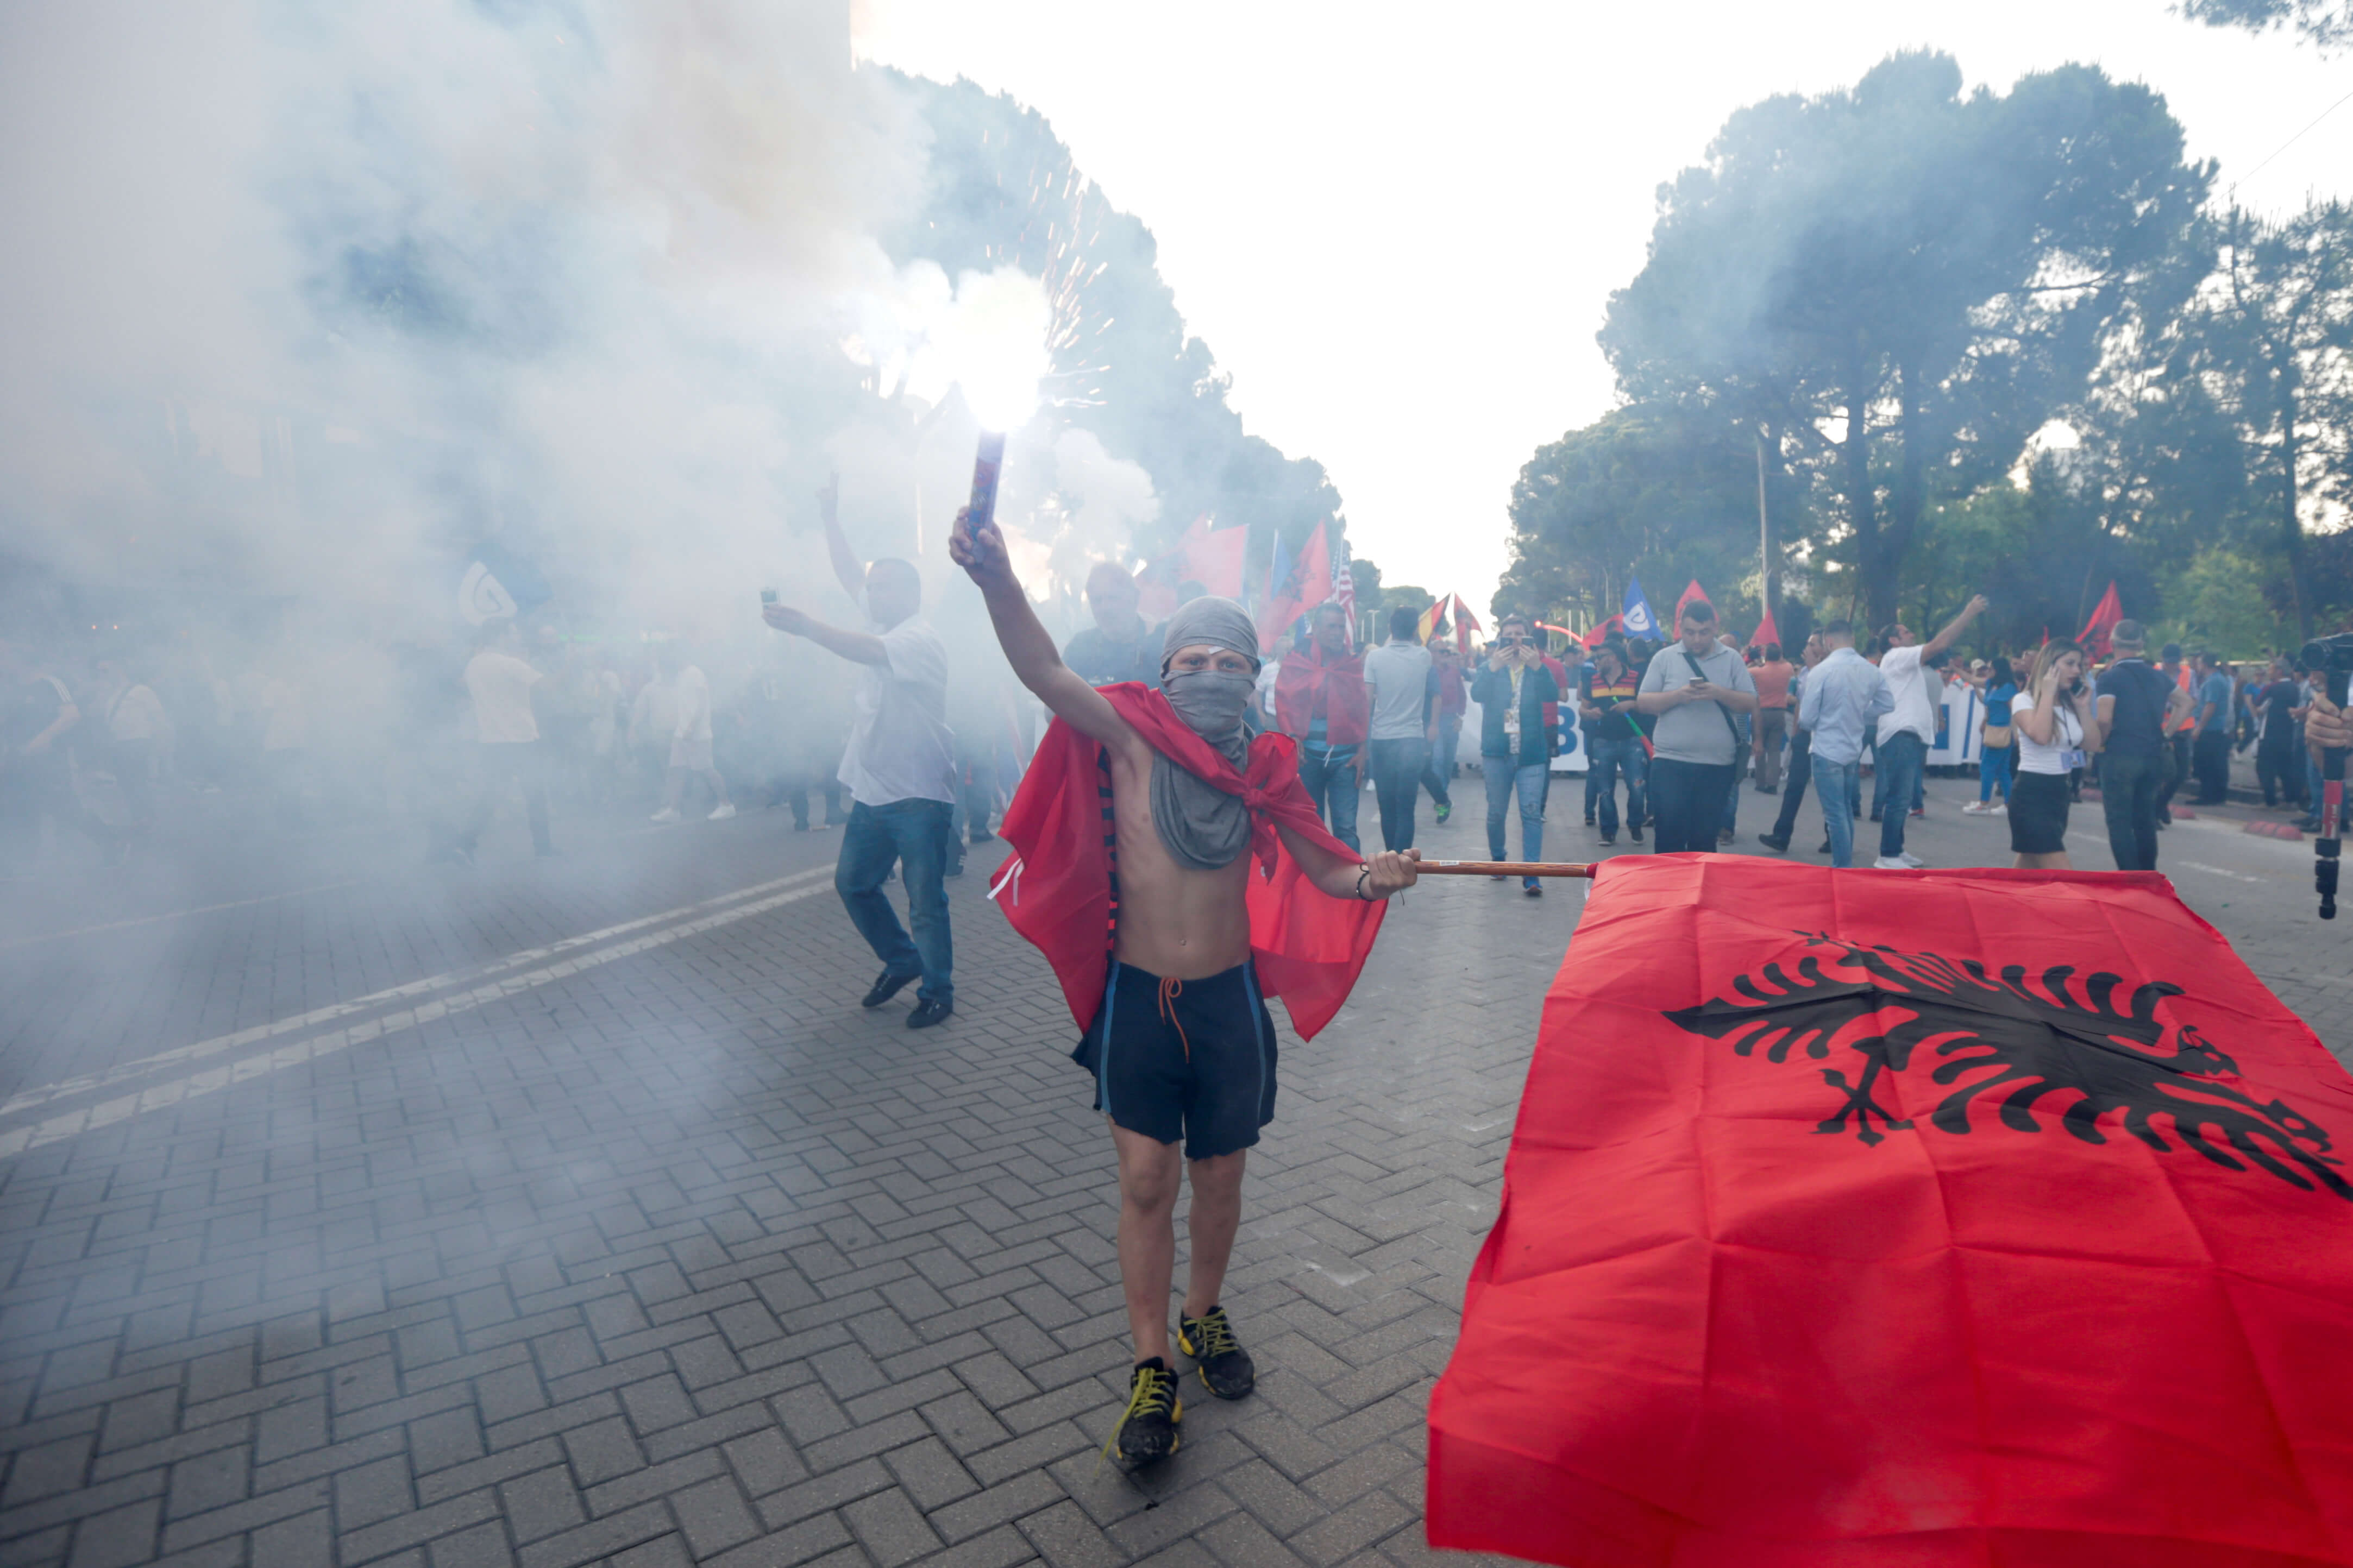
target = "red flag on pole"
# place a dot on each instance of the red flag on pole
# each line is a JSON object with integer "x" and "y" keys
{"x": 1886, "y": 1219}
{"x": 2104, "y": 617}
{"x": 1307, "y": 582}
{"x": 1213, "y": 557}
{"x": 1691, "y": 592}
{"x": 1465, "y": 623}
{"x": 1600, "y": 634}
{"x": 1767, "y": 633}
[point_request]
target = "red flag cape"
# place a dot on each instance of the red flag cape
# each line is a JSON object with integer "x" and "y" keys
{"x": 1977, "y": 1219}
{"x": 1055, "y": 887}
{"x": 2104, "y": 617}
{"x": 1347, "y": 707}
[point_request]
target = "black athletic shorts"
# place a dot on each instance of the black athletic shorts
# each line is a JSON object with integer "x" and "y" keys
{"x": 1183, "y": 1058}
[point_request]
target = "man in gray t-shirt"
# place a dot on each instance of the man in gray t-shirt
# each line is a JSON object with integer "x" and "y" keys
{"x": 1401, "y": 681}
{"x": 1695, "y": 686}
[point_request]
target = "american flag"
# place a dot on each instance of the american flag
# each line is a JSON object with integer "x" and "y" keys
{"x": 1344, "y": 586}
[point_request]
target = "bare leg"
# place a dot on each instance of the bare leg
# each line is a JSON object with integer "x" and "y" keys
{"x": 673, "y": 789}
{"x": 1210, "y": 1226}
{"x": 1149, "y": 1175}
{"x": 718, "y": 786}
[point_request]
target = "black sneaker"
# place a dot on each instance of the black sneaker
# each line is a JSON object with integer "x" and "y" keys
{"x": 1147, "y": 1431}
{"x": 927, "y": 1014}
{"x": 887, "y": 986}
{"x": 1634, "y": 831}
{"x": 1531, "y": 887}
{"x": 1825, "y": 848}
{"x": 1773, "y": 842}
{"x": 1588, "y": 822}
{"x": 1225, "y": 1367}
{"x": 1608, "y": 839}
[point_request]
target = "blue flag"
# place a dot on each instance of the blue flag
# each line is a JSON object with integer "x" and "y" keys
{"x": 1639, "y": 622}
{"x": 498, "y": 583}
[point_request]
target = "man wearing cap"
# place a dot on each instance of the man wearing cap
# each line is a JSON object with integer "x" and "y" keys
{"x": 1174, "y": 873}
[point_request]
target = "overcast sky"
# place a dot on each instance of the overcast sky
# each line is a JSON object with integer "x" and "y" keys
{"x": 1398, "y": 226}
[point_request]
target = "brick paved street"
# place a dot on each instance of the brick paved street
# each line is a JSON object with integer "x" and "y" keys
{"x": 388, "y": 1223}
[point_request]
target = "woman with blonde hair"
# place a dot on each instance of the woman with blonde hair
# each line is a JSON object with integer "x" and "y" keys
{"x": 2055, "y": 735}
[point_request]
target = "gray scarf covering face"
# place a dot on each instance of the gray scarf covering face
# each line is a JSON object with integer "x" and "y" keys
{"x": 1204, "y": 827}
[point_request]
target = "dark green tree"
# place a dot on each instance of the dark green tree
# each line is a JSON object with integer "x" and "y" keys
{"x": 2327, "y": 23}
{"x": 2273, "y": 345}
{"x": 1665, "y": 491}
{"x": 1003, "y": 190}
{"x": 1897, "y": 285}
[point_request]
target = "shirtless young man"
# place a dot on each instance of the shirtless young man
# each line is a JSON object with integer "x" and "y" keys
{"x": 1182, "y": 1047}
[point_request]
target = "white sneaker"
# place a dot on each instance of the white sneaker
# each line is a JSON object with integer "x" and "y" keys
{"x": 664, "y": 814}
{"x": 1889, "y": 863}
{"x": 2000, "y": 808}
{"x": 1912, "y": 860}
{"x": 1975, "y": 808}
{"x": 725, "y": 809}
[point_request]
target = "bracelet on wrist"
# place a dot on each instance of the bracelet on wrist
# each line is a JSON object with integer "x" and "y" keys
{"x": 1362, "y": 872}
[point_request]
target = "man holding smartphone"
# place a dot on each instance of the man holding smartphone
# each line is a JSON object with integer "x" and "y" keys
{"x": 1695, "y": 688}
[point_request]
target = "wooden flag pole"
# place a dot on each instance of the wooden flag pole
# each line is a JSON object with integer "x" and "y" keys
{"x": 1503, "y": 869}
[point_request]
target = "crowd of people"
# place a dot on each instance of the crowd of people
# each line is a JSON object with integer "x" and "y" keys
{"x": 99, "y": 755}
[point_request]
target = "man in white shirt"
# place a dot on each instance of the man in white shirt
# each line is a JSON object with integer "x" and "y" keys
{"x": 689, "y": 737}
{"x": 900, "y": 770}
{"x": 1906, "y": 729}
{"x": 500, "y": 681}
{"x": 1402, "y": 683}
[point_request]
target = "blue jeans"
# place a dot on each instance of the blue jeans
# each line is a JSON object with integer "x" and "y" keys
{"x": 1687, "y": 804}
{"x": 1330, "y": 777}
{"x": 914, "y": 833}
{"x": 1610, "y": 758}
{"x": 1503, "y": 778}
{"x": 1838, "y": 785}
{"x": 1437, "y": 778}
{"x": 1397, "y": 787}
{"x": 1993, "y": 768}
{"x": 1902, "y": 765}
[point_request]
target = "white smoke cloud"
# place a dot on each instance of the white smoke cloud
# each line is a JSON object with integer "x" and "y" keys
{"x": 308, "y": 299}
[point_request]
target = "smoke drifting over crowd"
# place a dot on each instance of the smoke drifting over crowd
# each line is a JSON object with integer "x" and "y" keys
{"x": 316, "y": 300}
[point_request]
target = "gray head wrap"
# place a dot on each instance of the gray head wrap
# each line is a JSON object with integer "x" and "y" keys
{"x": 1203, "y": 827}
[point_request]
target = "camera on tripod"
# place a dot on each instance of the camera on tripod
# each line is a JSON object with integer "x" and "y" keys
{"x": 2332, "y": 659}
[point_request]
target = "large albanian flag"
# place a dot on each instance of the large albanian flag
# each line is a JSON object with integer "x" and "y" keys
{"x": 1979, "y": 1219}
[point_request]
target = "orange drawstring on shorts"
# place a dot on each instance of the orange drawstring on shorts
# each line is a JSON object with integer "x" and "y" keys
{"x": 1170, "y": 991}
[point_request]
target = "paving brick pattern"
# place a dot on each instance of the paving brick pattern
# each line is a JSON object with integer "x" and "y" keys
{"x": 684, "y": 1258}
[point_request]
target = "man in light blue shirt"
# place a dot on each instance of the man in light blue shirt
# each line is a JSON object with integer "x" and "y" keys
{"x": 2213, "y": 749}
{"x": 1842, "y": 694}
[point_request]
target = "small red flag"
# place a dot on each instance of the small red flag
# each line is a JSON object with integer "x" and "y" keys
{"x": 1466, "y": 626}
{"x": 1693, "y": 592}
{"x": 1306, "y": 583}
{"x": 2104, "y": 617}
{"x": 1886, "y": 1219}
{"x": 1213, "y": 558}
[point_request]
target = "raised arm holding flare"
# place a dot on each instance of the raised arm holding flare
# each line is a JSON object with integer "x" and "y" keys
{"x": 1218, "y": 886}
